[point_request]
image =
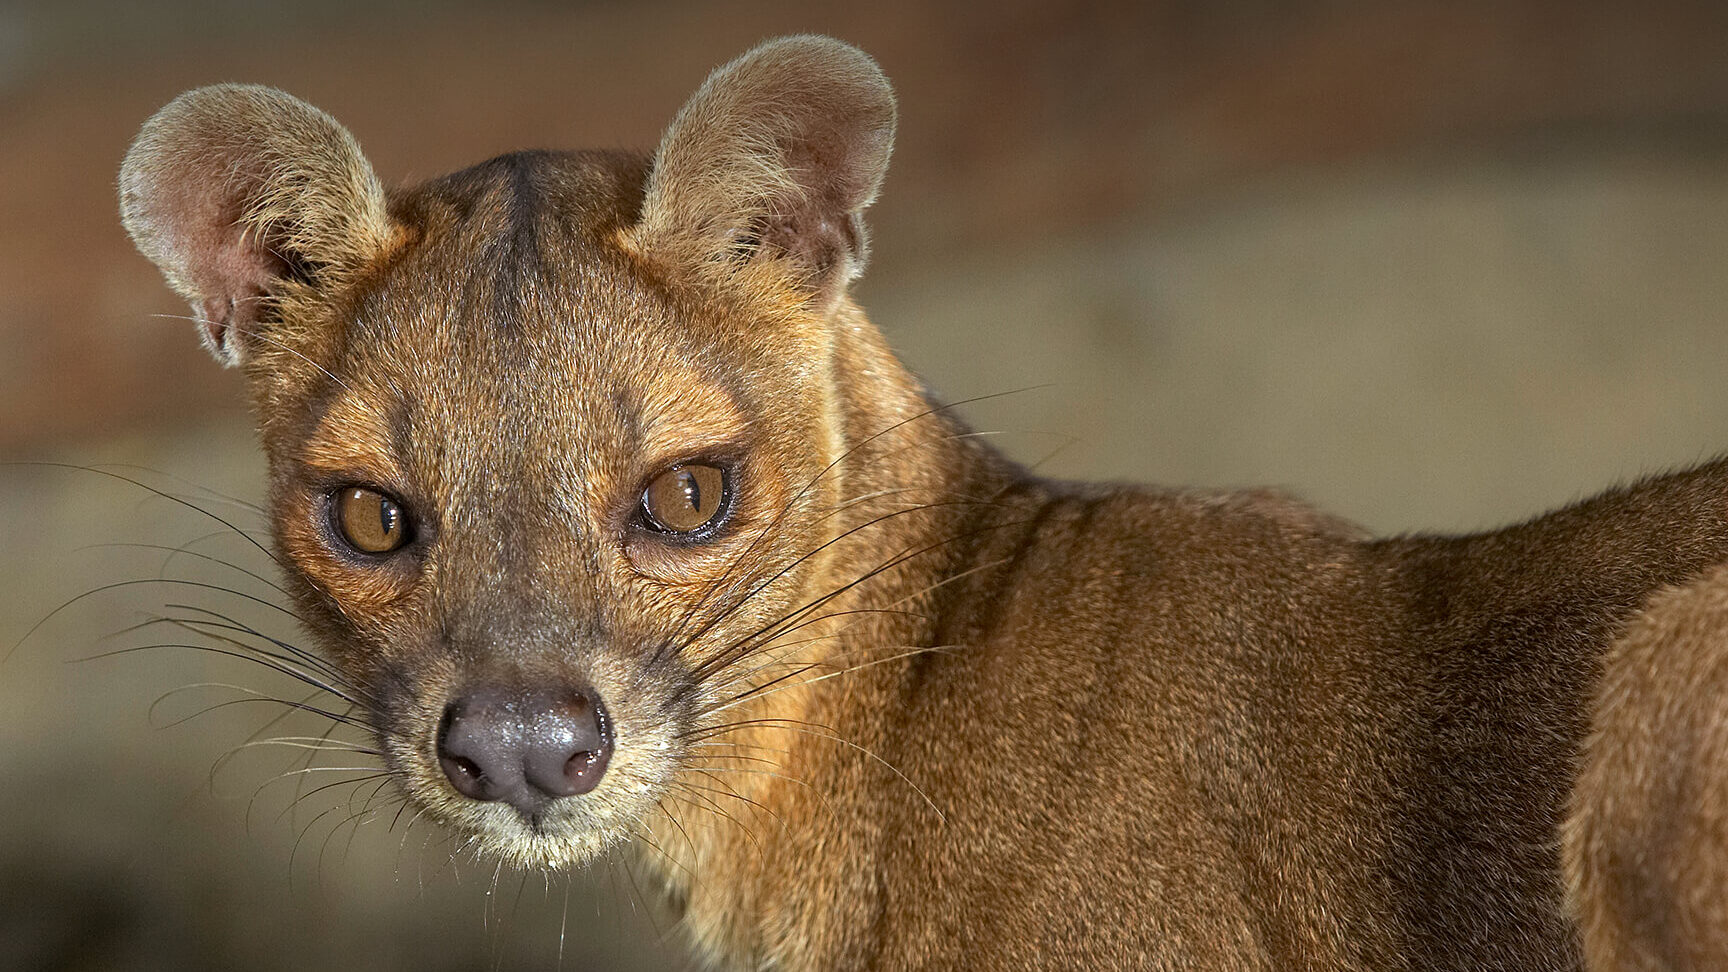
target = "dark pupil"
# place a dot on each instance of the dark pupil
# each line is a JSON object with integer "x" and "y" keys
{"x": 389, "y": 515}
{"x": 692, "y": 490}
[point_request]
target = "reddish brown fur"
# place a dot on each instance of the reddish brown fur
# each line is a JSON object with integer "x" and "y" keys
{"x": 1647, "y": 841}
{"x": 911, "y": 707}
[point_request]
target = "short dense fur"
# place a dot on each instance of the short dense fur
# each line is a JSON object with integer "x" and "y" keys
{"x": 1647, "y": 841}
{"x": 913, "y": 707}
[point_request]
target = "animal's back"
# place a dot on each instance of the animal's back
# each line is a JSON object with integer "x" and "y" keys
{"x": 1221, "y": 729}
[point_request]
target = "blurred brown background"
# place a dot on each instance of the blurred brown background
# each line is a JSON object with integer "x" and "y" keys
{"x": 1430, "y": 263}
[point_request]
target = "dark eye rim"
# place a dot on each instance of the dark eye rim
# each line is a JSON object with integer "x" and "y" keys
{"x": 338, "y": 538}
{"x": 642, "y": 523}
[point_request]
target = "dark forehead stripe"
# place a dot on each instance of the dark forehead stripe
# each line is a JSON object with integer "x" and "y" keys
{"x": 509, "y": 262}
{"x": 513, "y": 221}
{"x": 599, "y": 190}
{"x": 523, "y": 202}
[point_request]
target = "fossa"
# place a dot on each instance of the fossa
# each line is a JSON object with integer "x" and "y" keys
{"x": 618, "y": 521}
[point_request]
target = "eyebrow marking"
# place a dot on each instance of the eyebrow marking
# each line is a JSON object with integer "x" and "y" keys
{"x": 682, "y": 414}
{"x": 356, "y": 434}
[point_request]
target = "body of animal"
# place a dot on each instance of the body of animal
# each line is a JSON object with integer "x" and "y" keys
{"x": 618, "y": 521}
{"x": 1647, "y": 842}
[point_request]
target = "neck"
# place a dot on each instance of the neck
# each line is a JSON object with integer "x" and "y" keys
{"x": 780, "y": 797}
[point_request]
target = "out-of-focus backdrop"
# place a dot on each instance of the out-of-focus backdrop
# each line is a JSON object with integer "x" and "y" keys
{"x": 1434, "y": 264}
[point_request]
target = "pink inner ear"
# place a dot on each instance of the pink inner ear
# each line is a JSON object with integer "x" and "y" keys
{"x": 222, "y": 178}
{"x": 237, "y": 277}
{"x": 213, "y": 313}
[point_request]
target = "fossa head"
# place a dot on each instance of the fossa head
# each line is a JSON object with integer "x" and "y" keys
{"x": 552, "y": 440}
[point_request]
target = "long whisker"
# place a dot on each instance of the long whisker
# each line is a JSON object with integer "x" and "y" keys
{"x": 301, "y": 655}
{"x": 784, "y": 657}
{"x": 151, "y": 489}
{"x": 749, "y": 646}
{"x": 212, "y": 494}
{"x": 796, "y": 562}
{"x": 782, "y": 572}
{"x": 790, "y": 504}
{"x": 649, "y": 842}
{"x": 260, "y": 697}
{"x": 735, "y": 744}
{"x": 660, "y": 804}
{"x": 371, "y": 773}
{"x": 728, "y": 791}
{"x": 269, "y": 724}
{"x": 150, "y": 712}
{"x": 275, "y": 666}
{"x": 951, "y": 578}
{"x": 294, "y": 852}
{"x": 147, "y": 580}
{"x": 823, "y": 797}
{"x": 354, "y": 821}
{"x": 319, "y": 743}
{"x": 823, "y": 732}
{"x": 300, "y": 784}
{"x": 768, "y": 632}
{"x": 320, "y": 671}
{"x": 183, "y": 551}
{"x": 733, "y": 793}
{"x": 718, "y": 811}
{"x": 769, "y": 688}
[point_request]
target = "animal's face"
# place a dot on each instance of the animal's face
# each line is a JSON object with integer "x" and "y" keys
{"x": 565, "y": 475}
{"x": 551, "y": 441}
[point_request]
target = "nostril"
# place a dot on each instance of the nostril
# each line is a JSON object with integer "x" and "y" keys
{"x": 463, "y": 771}
{"x": 468, "y": 742}
{"x": 583, "y": 770}
{"x": 573, "y": 745}
{"x": 524, "y": 748}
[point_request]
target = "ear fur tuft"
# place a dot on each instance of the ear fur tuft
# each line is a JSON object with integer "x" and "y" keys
{"x": 776, "y": 155}
{"x": 238, "y": 191}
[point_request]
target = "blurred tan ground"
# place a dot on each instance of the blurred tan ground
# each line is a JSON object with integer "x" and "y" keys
{"x": 1431, "y": 265}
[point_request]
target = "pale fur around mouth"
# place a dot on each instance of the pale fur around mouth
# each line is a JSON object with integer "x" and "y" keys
{"x": 570, "y": 830}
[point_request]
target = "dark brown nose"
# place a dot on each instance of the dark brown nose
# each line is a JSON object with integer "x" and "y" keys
{"x": 524, "y": 748}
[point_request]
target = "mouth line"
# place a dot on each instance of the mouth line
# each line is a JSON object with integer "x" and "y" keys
{"x": 555, "y": 835}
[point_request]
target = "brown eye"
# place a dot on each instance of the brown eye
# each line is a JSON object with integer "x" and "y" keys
{"x": 685, "y": 499}
{"x": 370, "y": 521}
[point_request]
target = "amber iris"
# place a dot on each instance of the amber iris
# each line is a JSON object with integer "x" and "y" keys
{"x": 684, "y": 499}
{"x": 370, "y": 521}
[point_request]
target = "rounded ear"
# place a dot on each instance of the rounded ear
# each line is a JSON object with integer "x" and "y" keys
{"x": 237, "y": 191}
{"x": 776, "y": 155}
